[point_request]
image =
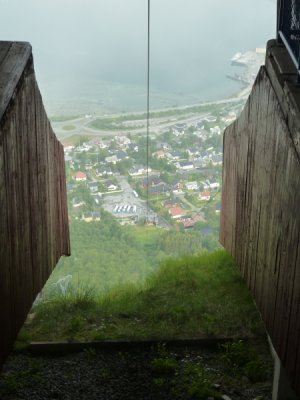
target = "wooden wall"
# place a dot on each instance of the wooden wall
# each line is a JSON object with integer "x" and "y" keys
{"x": 260, "y": 220}
{"x": 33, "y": 207}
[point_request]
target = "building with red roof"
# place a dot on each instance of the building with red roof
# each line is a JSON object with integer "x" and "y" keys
{"x": 80, "y": 176}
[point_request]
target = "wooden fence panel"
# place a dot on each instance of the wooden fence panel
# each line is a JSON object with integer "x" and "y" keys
{"x": 33, "y": 205}
{"x": 260, "y": 221}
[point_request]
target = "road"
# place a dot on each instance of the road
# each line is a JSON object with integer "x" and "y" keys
{"x": 82, "y": 125}
{"x": 189, "y": 204}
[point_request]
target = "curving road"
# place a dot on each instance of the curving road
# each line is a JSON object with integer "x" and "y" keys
{"x": 82, "y": 125}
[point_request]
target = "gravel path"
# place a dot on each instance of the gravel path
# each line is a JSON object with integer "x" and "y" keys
{"x": 125, "y": 375}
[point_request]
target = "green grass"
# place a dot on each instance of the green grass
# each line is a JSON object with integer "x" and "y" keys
{"x": 63, "y": 118}
{"x": 69, "y": 127}
{"x": 234, "y": 363}
{"x": 23, "y": 378}
{"x": 109, "y": 254}
{"x": 192, "y": 297}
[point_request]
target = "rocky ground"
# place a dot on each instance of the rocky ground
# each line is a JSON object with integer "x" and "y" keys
{"x": 231, "y": 372}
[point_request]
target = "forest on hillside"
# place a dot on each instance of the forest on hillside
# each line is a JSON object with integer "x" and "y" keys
{"x": 106, "y": 254}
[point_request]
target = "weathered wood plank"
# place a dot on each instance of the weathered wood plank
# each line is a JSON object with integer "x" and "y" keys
{"x": 5, "y": 278}
{"x": 12, "y": 67}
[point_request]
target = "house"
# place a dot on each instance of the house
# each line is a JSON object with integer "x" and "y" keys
{"x": 152, "y": 180}
{"x": 77, "y": 203}
{"x": 68, "y": 148}
{"x": 159, "y": 189}
{"x": 176, "y": 212}
{"x": 91, "y": 216}
{"x": 138, "y": 170}
{"x": 205, "y": 185}
{"x": 179, "y": 128}
{"x": 231, "y": 117}
{"x": 159, "y": 154}
{"x": 165, "y": 146}
{"x": 87, "y": 146}
{"x": 201, "y": 162}
{"x": 170, "y": 203}
{"x": 94, "y": 187}
{"x": 213, "y": 184}
{"x": 185, "y": 165}
{"x": 191, "y": 185}
{"x": 190, "y": 223}
{"x": 104, "y": 171}
{"x": 112, "y": 159}
{"x": 215, "y": 130}
{"x": 200, "y": 125}
{"x": 218, "y": 208}
{"x": 134, "y": 147}
{"x": 205, "y": 196}
{"x": 121, "y": 155}
{"x": 217, "y": 159}
{"x": 192, "y": 152}
{"x": 88, "y": 166}
{"x": 178, "y": 133}
{"x": 123, "y": 141}
{"x": 174, "y": 155}
{"x": 80, "y": 176}
{"x": 111, "y": 186}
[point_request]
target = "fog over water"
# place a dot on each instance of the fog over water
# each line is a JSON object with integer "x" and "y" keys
{"x": 91, "y": 54}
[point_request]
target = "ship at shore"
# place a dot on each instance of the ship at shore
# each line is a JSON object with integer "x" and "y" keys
{"x": 242, "y": 59}
{"x": 247, "y": 58}
{"x": 236, "y": 58}
{"x": 251, "y": 62}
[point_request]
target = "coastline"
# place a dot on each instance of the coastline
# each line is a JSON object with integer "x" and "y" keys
{"x": 78, "y": 106}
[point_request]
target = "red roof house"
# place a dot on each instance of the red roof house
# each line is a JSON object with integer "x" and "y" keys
{"x": 80, "y": 176}
{"x": 204, "y": 195}
{"x": 176, "y": 212}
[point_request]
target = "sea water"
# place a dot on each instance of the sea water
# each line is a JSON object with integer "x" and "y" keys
{"x": 91, "y": 55}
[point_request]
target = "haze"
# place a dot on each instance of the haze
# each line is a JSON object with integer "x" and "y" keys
{"x": 80, "y": 47}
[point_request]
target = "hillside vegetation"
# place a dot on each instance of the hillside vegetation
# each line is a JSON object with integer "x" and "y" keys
{"x": 189, "y": 297}
{"x": 106, "y": 254}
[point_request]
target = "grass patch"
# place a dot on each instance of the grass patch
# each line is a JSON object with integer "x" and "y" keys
{"x": 75, "y": 139}
{"x": 241, "y": 359}
{"x": 191, "y": 297}
{"x": 69, "y": 127}
{"x": 63, "y": 118}
{"x": 14, "y": 381}
{"x": 195, "y": 377}
{"x": 182, "y": 377}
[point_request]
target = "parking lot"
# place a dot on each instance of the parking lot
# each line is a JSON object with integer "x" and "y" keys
{"x": 127, "y": 203}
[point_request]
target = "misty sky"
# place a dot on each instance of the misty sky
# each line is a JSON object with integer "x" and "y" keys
{"x": 76, "y": 42}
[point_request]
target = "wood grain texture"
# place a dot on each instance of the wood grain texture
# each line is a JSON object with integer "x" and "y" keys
{"x": 33, "y": 206}
{"x": 260, "y": 220}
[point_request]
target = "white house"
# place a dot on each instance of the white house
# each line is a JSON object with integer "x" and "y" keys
{"x": 112, "y": 159}
{"x": 138, "y": 170}
{"x": 191, "y": 185}
{"x": 185, "y": 165}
